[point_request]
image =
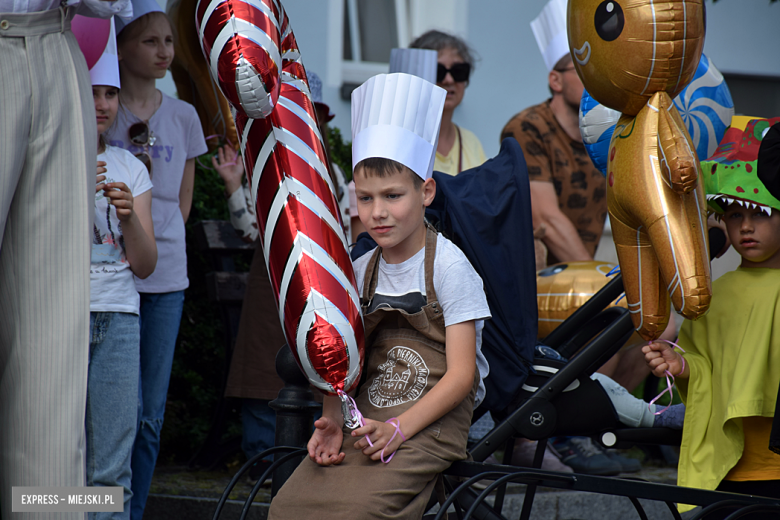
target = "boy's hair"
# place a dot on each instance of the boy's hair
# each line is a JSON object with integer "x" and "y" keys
{"x": 137, "y": 26}
{"x": 381, "y": 167}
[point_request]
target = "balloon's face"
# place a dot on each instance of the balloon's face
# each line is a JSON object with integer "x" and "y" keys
{"x": 626, "y": 50}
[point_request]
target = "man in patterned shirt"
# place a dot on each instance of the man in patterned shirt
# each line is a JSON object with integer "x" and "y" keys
{"x": 568, "y": 193}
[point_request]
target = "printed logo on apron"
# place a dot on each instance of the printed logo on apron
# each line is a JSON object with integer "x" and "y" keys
{"x": 402, "y": 379}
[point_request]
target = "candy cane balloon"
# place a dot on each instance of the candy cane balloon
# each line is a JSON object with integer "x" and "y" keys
{"x": 241, "y": 42}
{"x": 255, "y": 59}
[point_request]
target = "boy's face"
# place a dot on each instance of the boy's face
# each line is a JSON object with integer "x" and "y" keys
{"x": 392, "y": 211}
{"x": 754, "y": 235}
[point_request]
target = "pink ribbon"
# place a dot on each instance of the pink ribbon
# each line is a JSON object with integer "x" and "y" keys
{"x": 397, "y": 431}
{"x": 669, "y": 380}
{"x": 353, "y": 418}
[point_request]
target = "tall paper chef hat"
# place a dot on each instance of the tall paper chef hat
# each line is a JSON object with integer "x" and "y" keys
{"x": 106, "y": 70}
{"x": 549, "y": 28}
{"x": 418, "y": 62}
{"x": 397, "y": 116}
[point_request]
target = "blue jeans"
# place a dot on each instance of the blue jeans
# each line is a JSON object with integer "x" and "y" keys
{"x": 112, "y": 403}
{"x": 258, "y": 422}
{"x": 160, "y": 318}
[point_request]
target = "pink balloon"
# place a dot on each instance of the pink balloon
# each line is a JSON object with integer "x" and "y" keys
{"x": 92, "y": 35}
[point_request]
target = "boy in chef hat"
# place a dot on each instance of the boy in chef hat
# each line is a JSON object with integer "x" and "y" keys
{"x": 418, "y": 294}
{"x": 417, "y": 62}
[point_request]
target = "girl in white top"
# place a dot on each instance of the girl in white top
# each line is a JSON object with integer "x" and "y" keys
{"x": 123, "y": 245}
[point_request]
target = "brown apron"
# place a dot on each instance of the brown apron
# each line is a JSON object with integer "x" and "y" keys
{"x": 405, "y": 361}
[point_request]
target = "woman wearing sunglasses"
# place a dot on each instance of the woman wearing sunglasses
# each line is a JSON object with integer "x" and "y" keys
{"x": 167, "y": 134}
{"x": 458, "y": 149}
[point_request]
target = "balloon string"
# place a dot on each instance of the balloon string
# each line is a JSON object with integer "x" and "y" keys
{"x": 352, "y": 416}
{"x": 397, "y": 431}
{"x": 669, "y": 380}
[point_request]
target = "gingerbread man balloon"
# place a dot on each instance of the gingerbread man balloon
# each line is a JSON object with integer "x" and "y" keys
{"x": 635, "y": 56}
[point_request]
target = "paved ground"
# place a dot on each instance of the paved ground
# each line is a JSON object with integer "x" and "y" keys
{"x": 179, "y": 493}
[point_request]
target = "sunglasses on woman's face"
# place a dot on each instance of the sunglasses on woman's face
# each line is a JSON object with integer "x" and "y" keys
{"x": 459, "y": 72}
{"x": 141, "y": 135}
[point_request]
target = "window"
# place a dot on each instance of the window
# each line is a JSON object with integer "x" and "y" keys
{"x": 371, "y": 29}
{"x": 362, "y": 33}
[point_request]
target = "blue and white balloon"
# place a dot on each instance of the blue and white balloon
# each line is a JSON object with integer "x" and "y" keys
{"x": 597, "y": 123}
{"x": 705, "y": 106}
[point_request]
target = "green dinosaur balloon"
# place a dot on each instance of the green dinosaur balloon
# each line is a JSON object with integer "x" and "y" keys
{"x": 730, "y": 175}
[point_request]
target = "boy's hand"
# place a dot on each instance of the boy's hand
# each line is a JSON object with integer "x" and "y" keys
{"x": 119, "y": 195}
{"x": 101, "y": 169}
{"x": 380, "y": 434}
{"x": 230, "y": 168}
{"x": 325, "y": 443}
{"x": 660, "y": 357}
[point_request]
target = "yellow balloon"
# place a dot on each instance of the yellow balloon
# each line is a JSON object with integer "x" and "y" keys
{"x": 635, "y": 57}
{"x": 563, "y": 288}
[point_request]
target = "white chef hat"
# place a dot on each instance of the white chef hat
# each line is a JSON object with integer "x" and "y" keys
{"x": 397, "y": 116}
{"x": 106, "y": 70}
{"x": 418, "y": 62}
{"x": 140, "y": 8}
{"x": 549, "y": 28}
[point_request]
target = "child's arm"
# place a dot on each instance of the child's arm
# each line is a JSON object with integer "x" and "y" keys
{"x": 660, "y": 357}
{"x": 230, "y": 168}
{"x": 135, "y": 213}
{"x": 187, "y": 185}
{"x": 325, "y": 443}
{"x": 461, "y": 341}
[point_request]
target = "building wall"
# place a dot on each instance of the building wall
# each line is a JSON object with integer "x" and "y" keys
{"x": 742, "y": 38}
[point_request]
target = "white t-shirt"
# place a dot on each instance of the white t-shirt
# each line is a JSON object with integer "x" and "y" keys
{"x": 110, "y": 279}
{"x": 458, "y": 288}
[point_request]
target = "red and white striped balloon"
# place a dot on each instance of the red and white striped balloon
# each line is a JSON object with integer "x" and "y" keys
{"x": 242, "y": 43}
{"x": 250, "y": 43}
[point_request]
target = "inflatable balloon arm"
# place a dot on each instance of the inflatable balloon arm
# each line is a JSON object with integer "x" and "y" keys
{"x": 678, "y": 160}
